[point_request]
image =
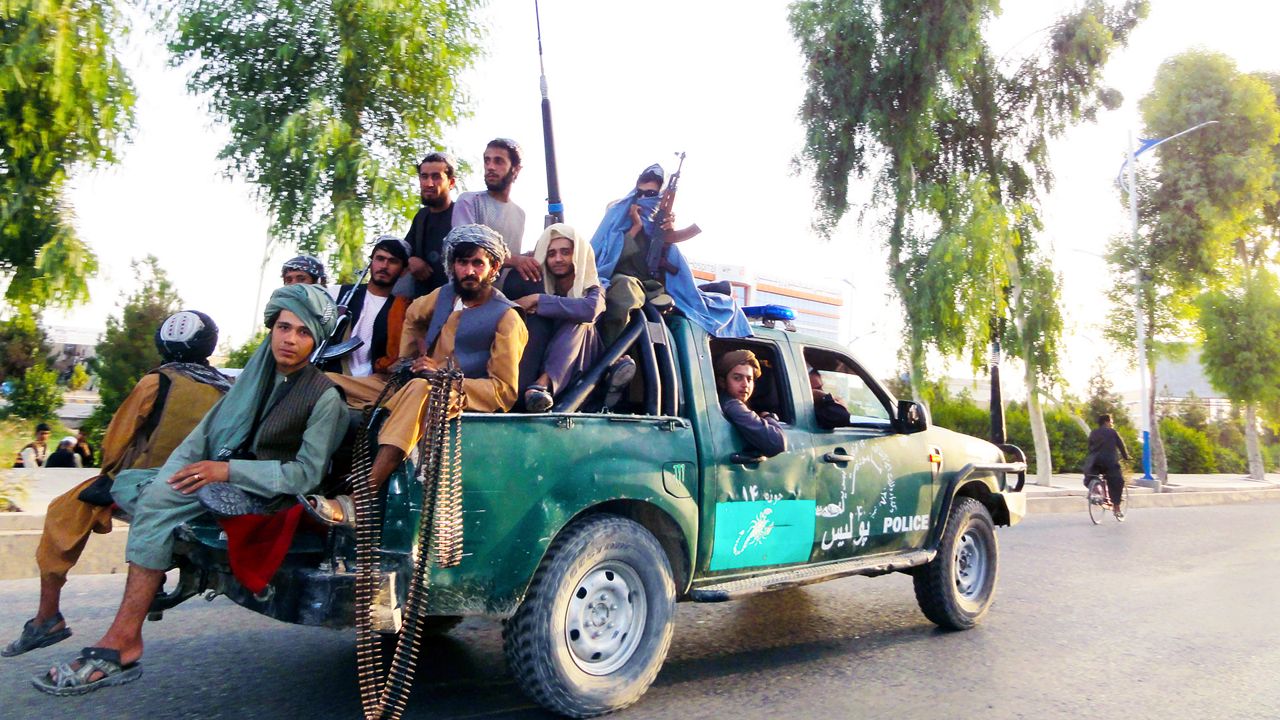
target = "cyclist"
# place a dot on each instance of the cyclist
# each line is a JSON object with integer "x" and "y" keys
{"x": 1106, "y": 448}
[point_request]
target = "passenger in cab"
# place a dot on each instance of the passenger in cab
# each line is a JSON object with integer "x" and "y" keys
{"x": 304, "y": 269}
{"x": 157, "y": 414}
{"x": 563, "y": 341}
{"x": 271, "y": 434}
{"x": 828, "y": 411}
{"x": 376, "y": 315}
{"x": 467, "y": 321}
{"x": 736, "y": 375}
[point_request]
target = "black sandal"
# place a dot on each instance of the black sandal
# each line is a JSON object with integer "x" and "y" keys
{"x": 35, "y": 636}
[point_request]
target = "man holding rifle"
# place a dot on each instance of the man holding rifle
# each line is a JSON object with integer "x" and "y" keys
{"x": 376, "y": 316}
{"x": 622, "y": 246}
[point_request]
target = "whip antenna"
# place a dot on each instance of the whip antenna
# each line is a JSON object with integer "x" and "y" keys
{"x": 555, "y": 210}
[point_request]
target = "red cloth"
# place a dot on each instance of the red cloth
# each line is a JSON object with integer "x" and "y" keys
{"x": 257, "y": 544}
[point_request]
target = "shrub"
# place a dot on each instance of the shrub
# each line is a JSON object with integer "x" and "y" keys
{"x": 79, "y": 378}
{"x": 240, "y": 356}
{"x": 1187, "y": 450}
{"x": 1226, "y": 460}
{"x": 36, "y": 396}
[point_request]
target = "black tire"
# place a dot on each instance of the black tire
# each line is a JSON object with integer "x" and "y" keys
{"x": 956, "y": 588}
{"x": 562, "y": 644}
{"x": 1098, "y": 503}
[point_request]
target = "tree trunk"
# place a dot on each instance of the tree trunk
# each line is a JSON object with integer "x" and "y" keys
{"x": 1257, "y": 470}
{"x": 1039, "y": 433}
{"x": 1159, "y": 463}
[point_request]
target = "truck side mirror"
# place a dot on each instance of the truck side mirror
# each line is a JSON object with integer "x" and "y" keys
{"x": 912, "y": 417}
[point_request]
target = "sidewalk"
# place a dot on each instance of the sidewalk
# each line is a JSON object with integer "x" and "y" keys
{"x": 1066, "y": 493}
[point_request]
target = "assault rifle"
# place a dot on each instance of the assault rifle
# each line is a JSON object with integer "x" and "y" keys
{"x": 333, "y": 347}
{"x": 656, "y": 259}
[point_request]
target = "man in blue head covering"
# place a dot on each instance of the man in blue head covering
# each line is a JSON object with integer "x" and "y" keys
{"x": 622, "y": 244}
{"x": 271, "y": 434}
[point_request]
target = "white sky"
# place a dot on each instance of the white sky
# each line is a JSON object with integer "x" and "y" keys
{"x": 631, "y": 84}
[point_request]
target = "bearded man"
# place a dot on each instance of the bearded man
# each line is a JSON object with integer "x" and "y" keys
{"x": 467, "y": 321}
{"x": 436, "y": 180}
{"x": 494, "y": 207}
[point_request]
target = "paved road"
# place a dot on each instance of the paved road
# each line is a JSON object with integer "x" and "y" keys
{"x": 1182, "y": 624}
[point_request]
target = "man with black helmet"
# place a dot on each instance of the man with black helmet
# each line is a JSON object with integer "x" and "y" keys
{"x": 158, "y": 413}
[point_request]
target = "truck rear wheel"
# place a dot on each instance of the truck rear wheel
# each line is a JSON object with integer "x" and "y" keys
{"x": 956, "y": 588}
{"x": 595, "y": 624}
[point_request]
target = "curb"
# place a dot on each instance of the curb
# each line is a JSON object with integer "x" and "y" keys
{"x": 1076, "y": 503}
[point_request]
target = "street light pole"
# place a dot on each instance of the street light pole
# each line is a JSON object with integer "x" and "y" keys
{"x": 1140, "y": 322}
{"x": 1144, "y": 402}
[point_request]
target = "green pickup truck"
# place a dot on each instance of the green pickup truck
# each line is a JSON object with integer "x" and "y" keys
{"x": 583, "y": 529}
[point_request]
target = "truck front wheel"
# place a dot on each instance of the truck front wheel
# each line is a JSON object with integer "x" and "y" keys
{"x": 595, "y": 624}
{"x": 956, "y": 588}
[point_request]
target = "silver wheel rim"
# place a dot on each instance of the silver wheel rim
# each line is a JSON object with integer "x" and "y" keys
{"x": 605, "y": 618}
{"x": 971, "y": 566}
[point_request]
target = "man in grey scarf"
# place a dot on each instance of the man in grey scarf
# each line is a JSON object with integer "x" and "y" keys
{"x": 271, "y": 434}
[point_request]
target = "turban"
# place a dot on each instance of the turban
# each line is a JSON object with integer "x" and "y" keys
{"x": 308, "y": 264}
{"x": 584, "y": 260}
{"x": 311, "y": 304}
{"x": 392, "y": 245}
{"x": 733, "y": 359}
{"x": 482, "y": 236}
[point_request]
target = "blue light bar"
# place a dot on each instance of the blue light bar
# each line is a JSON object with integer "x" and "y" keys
{"x": 769, "y": 313}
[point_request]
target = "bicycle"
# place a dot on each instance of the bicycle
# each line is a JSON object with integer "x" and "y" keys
{"x": 1099, "y": 500}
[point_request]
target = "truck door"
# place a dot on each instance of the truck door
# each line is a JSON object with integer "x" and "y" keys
{"x": 762, "y": 514}
{"x": 874, "y": 485}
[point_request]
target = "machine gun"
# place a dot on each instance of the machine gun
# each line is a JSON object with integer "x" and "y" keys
{"x": 656, "y": 259}
{"x": 333, "y": 347}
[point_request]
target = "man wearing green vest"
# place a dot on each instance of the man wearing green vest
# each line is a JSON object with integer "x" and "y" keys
{"x": 272, "y": 434}
{"x": 158, "y": 413}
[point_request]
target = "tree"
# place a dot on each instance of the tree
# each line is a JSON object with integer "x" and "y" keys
{"x": 330, "y": 103}
{"x": 960, "y": 140}
{"x": 36, "y": 395}
{"x": 239, "y": 357}
{"x": 1104, "y": 400}
{"x": 65, "y": 101}
{"x": 22, "y": 344}
{"x": 1241, "y": 354}
{"x": 127, "y": 350}
{"x": 1202, "y": 208}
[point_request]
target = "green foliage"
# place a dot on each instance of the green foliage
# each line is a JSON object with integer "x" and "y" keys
{"x": 65, "y": 101}
{"x": 22, "y": 344}
{"x": 1188, "y": 451}
{"x": 1069, "y": 441}
{"x": 1103, "y": 399}
{"x": 329, "y": 103}
{"x": 1241, "y": 352}
{"x": 79, "y": 378}
{"x": 958, "y": 413}
{"x": 960, "y": 140}
{"x": 36, "y": 395}
{"x": 127, "y": 350}
{"x": 1192, "y": 413}
{"x": 1211, "y": 184}
{"x": 240, "y": 356}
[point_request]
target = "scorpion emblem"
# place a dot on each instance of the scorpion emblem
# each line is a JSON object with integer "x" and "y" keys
{"x": 755, "y": 533}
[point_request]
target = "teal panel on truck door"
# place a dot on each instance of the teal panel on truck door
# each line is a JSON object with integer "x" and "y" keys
{"x": 874, "y": 485}
{"x": 525, "y": 477}
{"x": 755, "y": 516}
